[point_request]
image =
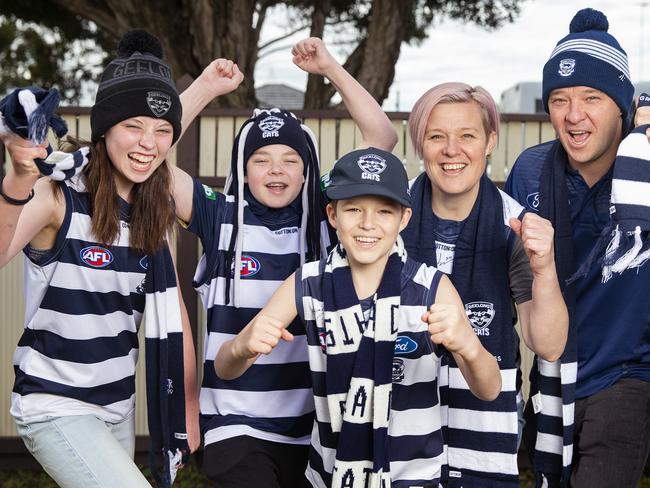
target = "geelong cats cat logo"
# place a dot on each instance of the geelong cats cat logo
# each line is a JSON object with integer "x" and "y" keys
{"x": 159, "y": 102}
{"x": 480, "y": 315}
{"x": 270, "y": 126}
{"x": 567, "y": 67}
{"x": 372, "y": 166}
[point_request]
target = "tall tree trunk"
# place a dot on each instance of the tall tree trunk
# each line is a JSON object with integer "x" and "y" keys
{"x": 236, "y": 38}
{"x": 315, "y": 84}
{"x": 192, "y": 33}
{"x": 386, "y": 31}
{"x": 373, "y": 61}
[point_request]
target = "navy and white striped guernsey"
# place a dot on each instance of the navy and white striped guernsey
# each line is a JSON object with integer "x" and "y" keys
{"x": 415, "y": 437}
{"x": 473, "y": 420}
{"x": 480, "y": 437}
{"x": 272, "y": 400}
{"x": 83, "y": 306}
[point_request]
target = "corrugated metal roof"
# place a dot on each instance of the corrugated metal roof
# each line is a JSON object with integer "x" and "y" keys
{"x": 281, "y": 96}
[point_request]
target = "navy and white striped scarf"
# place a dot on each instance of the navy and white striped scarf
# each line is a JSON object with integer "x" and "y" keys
{"x": 480, "y": 275}
{"x": 29, "y": 113}
{"x": 630, "y": 204}
{"x": 359, "y": 370}
{"x": 555, "y": 382}
{"x": 628, "y": 236}
{"x": 164, "y": 369}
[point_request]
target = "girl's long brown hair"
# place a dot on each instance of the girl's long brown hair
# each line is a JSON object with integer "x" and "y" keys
{"x": 152, "y": 206}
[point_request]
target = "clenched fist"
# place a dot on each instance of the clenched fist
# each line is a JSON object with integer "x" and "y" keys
{"x": 449, "y": 327}
{"x": 312, "y": 56}
{"x": 222, "y": 76}
{"x": 536, "y": 233}
{"x": 260, "y": 336}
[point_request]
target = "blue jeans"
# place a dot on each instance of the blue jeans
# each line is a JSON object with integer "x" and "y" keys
{"x": 82, "y": 451}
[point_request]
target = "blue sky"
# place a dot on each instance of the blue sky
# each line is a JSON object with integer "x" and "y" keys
{"x": 496, "y": 60}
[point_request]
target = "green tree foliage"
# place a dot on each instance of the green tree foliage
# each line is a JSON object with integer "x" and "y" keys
{"x": 65, "y": 42}
{"x": 42, "y": 44}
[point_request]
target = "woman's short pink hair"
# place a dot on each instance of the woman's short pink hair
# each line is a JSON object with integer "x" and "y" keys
{"x": 450, "y": 93}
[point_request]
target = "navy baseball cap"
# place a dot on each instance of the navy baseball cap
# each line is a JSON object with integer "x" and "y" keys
{"x": 369, "y": 171}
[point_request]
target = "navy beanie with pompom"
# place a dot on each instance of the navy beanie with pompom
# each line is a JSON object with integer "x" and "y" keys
{"x": 590, "y": 56}
{"x": 136, "y": 83}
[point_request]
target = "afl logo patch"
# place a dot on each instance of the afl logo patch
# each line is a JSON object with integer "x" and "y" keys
{"x": 144, "y": 262}
{"x": 405, "y": 345}
{"x": 96, "y": 257}
{"x": 249, "y": 266}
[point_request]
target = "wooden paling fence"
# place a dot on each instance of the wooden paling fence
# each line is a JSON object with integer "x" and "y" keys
{"x": 205, "y": 151}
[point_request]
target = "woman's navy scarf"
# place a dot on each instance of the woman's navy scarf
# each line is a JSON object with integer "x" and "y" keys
{"x": 553, "y": 205}
{"x": 481, "y": 260}
{"x": 480, "y": 275}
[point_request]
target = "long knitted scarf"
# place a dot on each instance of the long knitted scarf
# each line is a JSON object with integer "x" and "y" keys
{"x": 480, "y": 274}
{"x": 630, "y": 204}
{"x": 359, "y": 370}
{"x": 555, "y": 382}
{"x": 164, "y": 367}
{"x": 628, "y": 236}
{"x": 29, "y": 113}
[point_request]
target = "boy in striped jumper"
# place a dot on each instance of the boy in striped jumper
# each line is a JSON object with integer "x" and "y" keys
{"x": 268, "y": 222}
{"x": 376, "y": 324}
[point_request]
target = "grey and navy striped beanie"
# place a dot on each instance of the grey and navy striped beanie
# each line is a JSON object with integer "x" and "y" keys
{"x": 136, "y": 83}
{"x": 590, "y": 56}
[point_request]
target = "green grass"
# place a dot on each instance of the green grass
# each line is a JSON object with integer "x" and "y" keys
{"x": 189, "y": 477}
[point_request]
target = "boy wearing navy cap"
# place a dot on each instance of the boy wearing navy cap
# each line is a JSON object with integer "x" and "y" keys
{"x": 376, "y": 322}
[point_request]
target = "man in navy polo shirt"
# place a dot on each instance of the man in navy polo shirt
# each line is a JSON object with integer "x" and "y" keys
{"x": 589, "y": 96}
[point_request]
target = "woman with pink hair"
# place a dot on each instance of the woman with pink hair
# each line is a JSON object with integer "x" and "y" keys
{"x": 493, "y": 252}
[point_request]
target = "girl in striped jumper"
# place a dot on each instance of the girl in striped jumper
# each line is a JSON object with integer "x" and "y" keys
{"x": 92, "y": 244}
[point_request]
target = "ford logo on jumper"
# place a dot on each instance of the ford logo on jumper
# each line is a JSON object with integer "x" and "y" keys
{"x": 96, "y": 256}
{"x": 405, "y": 345}
{"x": 533, "y": 201}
